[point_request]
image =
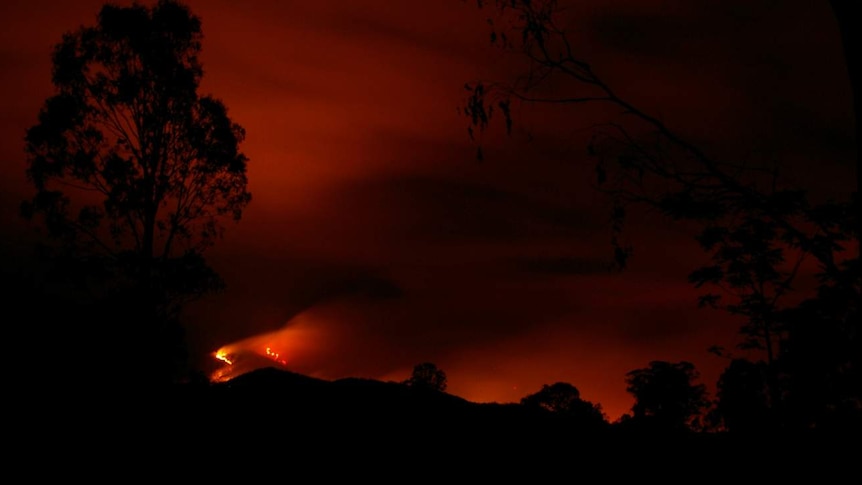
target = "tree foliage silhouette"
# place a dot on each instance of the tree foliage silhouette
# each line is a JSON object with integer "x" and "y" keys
{"x": 564, "y": 399}
{"x": 427, "y": 376}
{"x": 558, "y": 397}
{"x": 134, "y": 169}
{"x": 819, "y": 365}
{"x": 756, "y": 229}
{"x": 666, "y": 394}
{"x": 743, "y": 399}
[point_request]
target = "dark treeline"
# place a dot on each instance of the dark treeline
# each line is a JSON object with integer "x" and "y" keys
{"x": 398, "y": 427}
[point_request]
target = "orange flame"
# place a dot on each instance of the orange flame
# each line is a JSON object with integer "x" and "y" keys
{"x": 275, "y": 356}
{"x": 294, "y": 340}
{"x": 222, "y": 356}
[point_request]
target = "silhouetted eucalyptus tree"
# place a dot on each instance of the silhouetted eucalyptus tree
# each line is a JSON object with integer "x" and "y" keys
{"x": 820, "y": 360}
{"x": 666, "y": 395}
{"x": 558, "y": 397}
{"x": 743, "y": 399}
{"x": 133, "y": 168}
{"x": 564, "y": 400}
{"x": 427, "y": 376}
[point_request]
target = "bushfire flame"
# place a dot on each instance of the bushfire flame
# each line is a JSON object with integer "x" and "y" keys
{"x": 300, "y": 335}
{"x": 222, "y": 356}
{"x": 274, "y": 356}
{"x": 232, "y": 368}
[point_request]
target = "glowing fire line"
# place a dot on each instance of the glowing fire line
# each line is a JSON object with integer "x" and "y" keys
{"x": 274, "y": 356}
{"x": 222, "y": 356}
{"x": 268, "y": 352}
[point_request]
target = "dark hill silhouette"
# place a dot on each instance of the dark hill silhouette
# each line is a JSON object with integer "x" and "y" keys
{"x": 279, "y": 396}
{"x": 275, "y": 402}
{"x": 274, "y": 419}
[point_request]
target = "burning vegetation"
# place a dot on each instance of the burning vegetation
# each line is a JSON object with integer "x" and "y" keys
{"x": 244, "y": 360}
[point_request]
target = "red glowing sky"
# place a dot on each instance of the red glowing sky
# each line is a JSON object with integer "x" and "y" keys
{"x": 384, "y": 243}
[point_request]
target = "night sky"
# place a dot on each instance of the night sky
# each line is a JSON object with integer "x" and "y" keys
{"x": 376, "y": 240}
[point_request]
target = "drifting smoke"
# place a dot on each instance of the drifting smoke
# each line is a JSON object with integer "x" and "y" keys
{"x": 288, "y": 347}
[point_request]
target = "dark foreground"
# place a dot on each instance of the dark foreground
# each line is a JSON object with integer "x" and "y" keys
{"x": 281, "y": 424}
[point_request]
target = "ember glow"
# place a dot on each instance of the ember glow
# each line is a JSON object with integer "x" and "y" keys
{"x": 300, "y": 338}
{"x": 237, "y": 360}
{"x": 222, "y": 356}
{"x": 275, "y": 356}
